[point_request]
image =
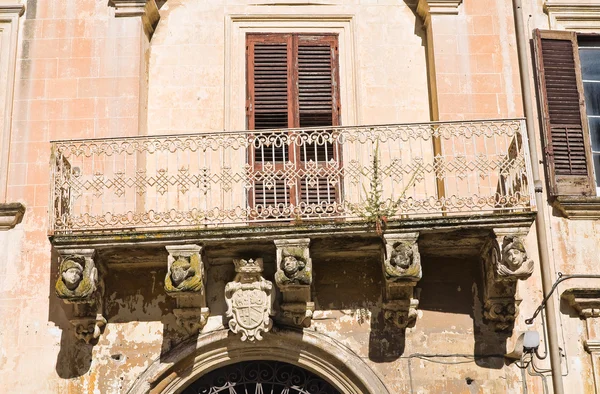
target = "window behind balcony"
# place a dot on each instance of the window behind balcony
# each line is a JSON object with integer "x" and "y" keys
{"x": 292, "y": 83}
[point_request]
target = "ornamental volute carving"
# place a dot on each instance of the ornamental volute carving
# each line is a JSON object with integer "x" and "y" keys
{"x": 249, "y": 299}
{"x": 401, "y": 271}
{"x": 505, "y": 261}
{"x": 186, "y": 281}
{"x": 80, "y": 283}
{"x": 294, "y": 278}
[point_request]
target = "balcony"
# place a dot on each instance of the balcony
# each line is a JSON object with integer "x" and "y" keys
{"x": 354, "y": 197}
{"x": 372, "y": 176}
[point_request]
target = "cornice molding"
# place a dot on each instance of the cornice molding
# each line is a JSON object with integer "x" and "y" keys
{"x": 426, "y": 8}
{"x": 12, "y": 9}
{"x": 574, "y": 14}
{"x": 586, "y": 301}
{"x": 11, "y": 214}
{"x": 592, "y": 345}
{"x": 578, "y": 207}
{"x": 147, "y": 9}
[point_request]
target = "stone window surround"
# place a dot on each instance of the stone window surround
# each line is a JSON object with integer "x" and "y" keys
{"x": 10, "y": 214}
{"x": 236, "y": 27}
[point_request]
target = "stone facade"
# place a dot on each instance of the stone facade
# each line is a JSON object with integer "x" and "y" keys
{"x": 406, "y": 304}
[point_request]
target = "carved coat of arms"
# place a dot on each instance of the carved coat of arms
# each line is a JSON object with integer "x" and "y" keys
{"x": 249, "y": 300}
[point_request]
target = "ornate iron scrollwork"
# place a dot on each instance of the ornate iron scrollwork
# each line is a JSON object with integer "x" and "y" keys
{"x": 253, "y": 377}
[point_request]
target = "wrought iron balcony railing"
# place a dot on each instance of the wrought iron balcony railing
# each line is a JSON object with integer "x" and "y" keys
{"x": 367, "y": 173}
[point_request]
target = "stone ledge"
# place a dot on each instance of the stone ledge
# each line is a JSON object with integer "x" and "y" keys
{"x": 578, "y": 207}
{"x": 126, "y": 238}
{"x": 11, "y": 214}
{"x": 586, "y": 301}
{"x": 573, "y": 14}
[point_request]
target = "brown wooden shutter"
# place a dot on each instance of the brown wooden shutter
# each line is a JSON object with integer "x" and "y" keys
{"x": 565, "y": 125}
{"x": 292, "y": 81}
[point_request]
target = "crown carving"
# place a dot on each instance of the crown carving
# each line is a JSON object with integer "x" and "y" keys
{"x": 249, "y": 266}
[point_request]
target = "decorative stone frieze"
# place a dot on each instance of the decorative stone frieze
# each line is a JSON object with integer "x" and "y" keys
{"x": 294, "y": 278}
{"x": 402, "y": 271}
{"x": 249, "y": 299}
{"x": 186, "y": 282}
{"x": 505, "y": 261}
{"x": 80, "y": 283}
{"x": 147, "y": 9}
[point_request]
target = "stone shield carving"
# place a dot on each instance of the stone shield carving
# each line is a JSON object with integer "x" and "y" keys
{"x": 249, "y": 299}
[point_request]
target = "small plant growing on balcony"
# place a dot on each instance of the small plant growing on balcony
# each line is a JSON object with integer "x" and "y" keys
{"x": 378, "y": 209}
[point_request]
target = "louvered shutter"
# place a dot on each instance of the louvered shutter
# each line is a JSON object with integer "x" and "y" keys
{"x": 565, "y": 126}
{"x": 318, "y": 100}
{"x": 292, "y": 82}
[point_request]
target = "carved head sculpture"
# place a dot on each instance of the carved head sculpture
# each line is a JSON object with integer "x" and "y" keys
{"x": 72, "y": 271}
{"x": 402, "y": 255}
{"x": 291, "y": 265}
{"x": 513, "y": 253}
{"x": 181, "y": 269}
{"x": 78, "y": 279}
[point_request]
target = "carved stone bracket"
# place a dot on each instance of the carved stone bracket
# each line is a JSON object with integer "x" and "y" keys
{"x": 505, "y": 261}
{"x": 80, "y": 283}
{"x": 186, "y": 282}
{"x": 249, "y": 299}
{"x": 293, "y": 278}
{"x": 147, "y": 9}
{"x": 401, "y": 271}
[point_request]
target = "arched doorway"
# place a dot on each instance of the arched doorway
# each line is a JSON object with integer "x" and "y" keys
{"x": 260, "y": 377}
{"x": 307, "y": 350}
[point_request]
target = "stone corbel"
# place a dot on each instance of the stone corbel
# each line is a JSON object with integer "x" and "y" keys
{"x": 402, "y": 271}
{"x": 249, "y": 298}
{"x": 147, "y": 9}
{"x": 81, "y": 284}
{"x": 186, "y": 282}
{"x": 294, "y": 278}
{"x": 505, "y": 262}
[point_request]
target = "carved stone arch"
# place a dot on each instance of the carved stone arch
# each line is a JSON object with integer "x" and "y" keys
{"x": 315, "y": 352}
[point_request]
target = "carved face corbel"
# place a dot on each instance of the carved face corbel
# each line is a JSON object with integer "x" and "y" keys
{"x": 513, "y": 263}
{"x": 186, "y": 281}
{"x": 293, "y": 278}
{"x": 78, "y": 278}
{"x": 403, "y": 260}
{"x": 79, "y": 283}
{"x": 505, "y": 261}
{"x": 402, "y": 271}
{"x": 185, "y": 270}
